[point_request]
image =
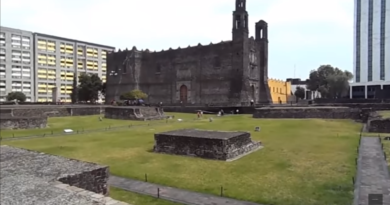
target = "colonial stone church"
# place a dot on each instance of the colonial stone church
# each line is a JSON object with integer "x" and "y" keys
{"x": 228, "y": 73}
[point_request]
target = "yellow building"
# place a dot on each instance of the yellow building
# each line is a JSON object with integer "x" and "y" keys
{"x": 59, "y": 60}
{"x": 280, "y": 90}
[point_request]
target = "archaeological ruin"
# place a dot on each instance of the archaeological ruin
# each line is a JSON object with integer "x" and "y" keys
{"x": 217, "y": 145}
{"x": 29, "y": 178}
{"x": 321, "y": 112}
{"x": 134, "y": 113}
{"x": 377, "y": 123}
{"x": 26, "y": 122}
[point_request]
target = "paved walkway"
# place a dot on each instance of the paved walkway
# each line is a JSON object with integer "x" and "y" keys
{"x": 172, "y": 194}
{"x": 372, "y": 173}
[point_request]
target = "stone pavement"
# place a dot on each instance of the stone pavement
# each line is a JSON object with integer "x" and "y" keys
{"x": 172, "y": 194}
{"x": 372, "y": 173}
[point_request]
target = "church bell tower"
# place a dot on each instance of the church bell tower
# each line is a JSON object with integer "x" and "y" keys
{"x": 240, "y": 21}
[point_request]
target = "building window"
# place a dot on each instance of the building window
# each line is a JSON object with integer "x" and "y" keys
{"x": 382, "y": 40}
{"x": 370, "y": 27}
{"x": 357, "y": 43}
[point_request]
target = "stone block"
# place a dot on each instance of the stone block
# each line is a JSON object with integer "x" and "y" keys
{"x": 218, "y": 145}
{"x": 134, "y": 113}
{"x": 379, "y": 125}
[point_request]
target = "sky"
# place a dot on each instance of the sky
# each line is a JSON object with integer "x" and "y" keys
{"x": 303, "y": 34}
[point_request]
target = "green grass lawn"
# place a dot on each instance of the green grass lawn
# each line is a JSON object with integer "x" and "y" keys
{"x": 58, "y": 124}
{"x": 386, "y": 147}
{"x": 305, "y": 162}
{"x": 384, "y": 113}
{"x": 137, "y": 199}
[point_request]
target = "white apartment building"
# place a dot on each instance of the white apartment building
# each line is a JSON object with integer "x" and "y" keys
{"x": 371, "y": 48}
{"x": 35, "y": 63}
{"x": 16, "y": 63}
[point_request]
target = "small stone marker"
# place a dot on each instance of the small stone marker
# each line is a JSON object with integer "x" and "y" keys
{"x": 68, "y": 130}
{"x": 211, "y": 119}
{"x": 257, "y": 129}
{"x": 179, "y": 120}
{"x": 100, "y": 118}
{"x": 387, "y": 138}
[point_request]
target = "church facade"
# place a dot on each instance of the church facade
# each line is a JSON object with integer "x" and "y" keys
{"x": 228, "y": 73}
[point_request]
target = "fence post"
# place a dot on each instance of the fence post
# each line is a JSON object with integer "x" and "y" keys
{"x": 158, "y": 192}
{"x": 353, "y": 180}
{"x": 221, "y": 190}
{"x": 146, "y": 177}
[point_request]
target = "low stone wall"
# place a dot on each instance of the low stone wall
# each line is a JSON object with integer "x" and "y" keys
{"x": 214, "y": 109}
{"x": 95, "y": 180}
{"x": 134, "y": 113}
{"x": 53, "y": 110}
{"x": 215, "y": 145}
{"x": 308, "y": 112}
{"x": 10, "y": 122}
{"x": 379, "y": 125}
{"x": 373, "y": 106}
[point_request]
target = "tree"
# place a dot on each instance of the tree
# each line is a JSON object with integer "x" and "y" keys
{"x": 74, "y": 95}
{"x": 134, "y": 95}
{"x": 330, "y": 81}
{"x": 89, "y": 87}
{"x": 19, "y": 96}
{"x": 299, "y": 93}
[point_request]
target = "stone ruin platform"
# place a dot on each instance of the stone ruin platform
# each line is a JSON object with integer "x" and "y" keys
{"x": 134, "y": 113}
{"x": 217, "y": 145}
{"x": 30, "y": 178}
{"x": 321, "y": 112}
{"x": 9, "y": 122}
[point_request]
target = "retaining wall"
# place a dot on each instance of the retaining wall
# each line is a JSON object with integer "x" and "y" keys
{"x": 134, "y": 113}
{"x": 10, "y": 122}
{"x": 53, "y": 111}
{"x": 95, "y": 180}
{"x": 308, "y": 112}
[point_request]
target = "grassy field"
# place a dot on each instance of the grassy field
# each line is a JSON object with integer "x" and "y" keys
{"x": 137, "y": 199}
{"x": 305, "y": 162}
{"x": 386, "y": 147}
{"x": 385, "y": 113}
{"x": 57, "y": 125}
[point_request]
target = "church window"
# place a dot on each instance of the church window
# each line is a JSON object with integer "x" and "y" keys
{"x": 238, "y": 21}
{"x": 158, "y": 69}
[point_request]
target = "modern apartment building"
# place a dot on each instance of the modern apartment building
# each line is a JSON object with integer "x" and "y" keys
{"x": 16, "y": 63}
{"x": 38, "y": 64}
{"x": 371, "y": 48}
{"x": 58, "y": 60}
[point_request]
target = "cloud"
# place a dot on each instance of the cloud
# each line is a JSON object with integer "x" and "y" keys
{"x": 296, "y": 28}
